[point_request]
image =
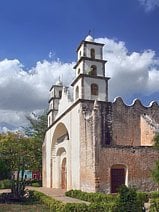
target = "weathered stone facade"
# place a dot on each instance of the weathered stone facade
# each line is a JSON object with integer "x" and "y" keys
{"x": 92, "y": 144}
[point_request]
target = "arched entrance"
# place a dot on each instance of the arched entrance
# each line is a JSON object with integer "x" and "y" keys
{"x": 60, "y": 158}
{"x": 64, "y": 174}
{"x": 118, "y": 177}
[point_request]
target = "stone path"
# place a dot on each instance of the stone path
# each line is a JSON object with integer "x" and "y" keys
{"x": 58, "y": 194}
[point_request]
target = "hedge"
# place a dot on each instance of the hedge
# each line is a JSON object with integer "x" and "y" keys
{"x": 5, "y": 184}
{"x": 153, "y": 195}
{"x": 58, "y": 206}
{"x": 92, "y": 197}
{"x": 53, "y": 204}
{"x": 98, "y": 202}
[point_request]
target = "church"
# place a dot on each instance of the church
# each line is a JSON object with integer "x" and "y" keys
{"x": 92, "y": 144}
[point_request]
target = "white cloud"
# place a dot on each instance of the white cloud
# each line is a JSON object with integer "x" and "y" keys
{"x": 149, "y": 5}
{"x": 130, "y": 72}
{"x": 22, "y": 92}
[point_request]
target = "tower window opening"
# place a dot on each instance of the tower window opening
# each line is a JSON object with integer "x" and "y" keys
{"x": 92, "y": 53}
{"x": 60, "y": 94}
{"x": 77, "y": 93}
{"x": 79, "y": 71}
{"x": 93, "y": 71}
{"x": 80, "y": 54}
{"x": 94, "y": 89}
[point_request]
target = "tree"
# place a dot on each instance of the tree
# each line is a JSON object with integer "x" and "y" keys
{"x": 38, "y": 126}
{"x": 19, "y": 152}
{"x": 156, "y": 141}
{"x": 36, "y": 130}
{"x": 155, "y": 171}
{"x": 4, "y": 170}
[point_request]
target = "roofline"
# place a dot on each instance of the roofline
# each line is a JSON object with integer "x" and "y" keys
{"x": 68, "y": 109}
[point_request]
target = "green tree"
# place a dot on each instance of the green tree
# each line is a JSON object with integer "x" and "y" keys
{"x": 36, "y": 130}
{"x": 155, "y": 171}
{"x": 156, "y": 141}
{"x": 18, "y": 152}
{"x": 38, "y": 126}
{"x": 4, "y": 170}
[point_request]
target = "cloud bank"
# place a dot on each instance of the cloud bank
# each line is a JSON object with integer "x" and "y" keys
{"x": 131, "y": 73}
{"x": 24, "y": 91}
{"x": 149, "y": 5}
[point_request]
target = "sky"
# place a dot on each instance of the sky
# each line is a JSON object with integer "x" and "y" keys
{"x": 38, "y": 41}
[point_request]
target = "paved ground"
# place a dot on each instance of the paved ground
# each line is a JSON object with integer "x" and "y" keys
{"x": 58, "y": 194}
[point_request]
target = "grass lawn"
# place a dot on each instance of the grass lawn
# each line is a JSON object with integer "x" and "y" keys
{"x": 23, "y": 207}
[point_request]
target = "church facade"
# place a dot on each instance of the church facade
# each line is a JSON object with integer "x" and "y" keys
{"x": 92, "y": 144}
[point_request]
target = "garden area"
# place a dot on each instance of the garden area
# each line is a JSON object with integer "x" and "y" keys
{"x": 127, "y": 200}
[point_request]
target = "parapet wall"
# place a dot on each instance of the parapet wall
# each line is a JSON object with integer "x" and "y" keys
{"x": 134, "y": 125}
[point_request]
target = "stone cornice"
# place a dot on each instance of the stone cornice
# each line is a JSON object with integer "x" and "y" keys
{"x": 90, "y": 59}
{"x": 89, "y": 76}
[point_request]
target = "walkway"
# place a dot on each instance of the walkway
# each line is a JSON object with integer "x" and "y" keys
{"x": 58, "y": 194}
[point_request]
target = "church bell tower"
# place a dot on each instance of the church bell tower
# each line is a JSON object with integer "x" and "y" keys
{"x": 90, "y": 82}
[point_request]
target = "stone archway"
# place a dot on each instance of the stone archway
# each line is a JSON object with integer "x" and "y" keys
{"x": 118, "y": 177}
{"x": 60, "y": 157}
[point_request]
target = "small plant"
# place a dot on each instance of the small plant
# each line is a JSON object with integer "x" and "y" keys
{"x": 127, "y": 200}
{"x": 5, "y": 184}
{"x": 36, "y": 184}
{"x": 154, "y": 207}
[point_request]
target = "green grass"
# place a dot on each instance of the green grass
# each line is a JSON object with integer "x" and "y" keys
{"x": 22, "y": 207}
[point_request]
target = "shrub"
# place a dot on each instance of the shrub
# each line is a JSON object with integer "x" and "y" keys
{"x": 102, "y": 207}
{"x": 36, "y": 184}
{"x": 142, "y": 197}
{"x": 154, "y": 194}
{"x": 154, "y": 207}
{"x": 76, "y": 207}
{"x": 127, "y": 200}
{"x": 91, "y": 197}
{"x": 5, "y": 184}
{"x": 53, "y": 204}
{"x": 58, "y": 206}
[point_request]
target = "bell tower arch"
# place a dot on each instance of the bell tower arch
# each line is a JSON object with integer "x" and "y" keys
{"x": 91, "y": 82}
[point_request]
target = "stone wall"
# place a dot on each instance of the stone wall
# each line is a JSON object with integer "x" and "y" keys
{"x": 126, "y": 122}
{"x": 138, "y": 160}
{"x": 95, "y": 131}
{"x": 87, "y": 148}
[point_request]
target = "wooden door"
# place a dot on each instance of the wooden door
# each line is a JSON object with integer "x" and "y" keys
{"x": 64, "y": 175}
{"x": 117, "y": 179}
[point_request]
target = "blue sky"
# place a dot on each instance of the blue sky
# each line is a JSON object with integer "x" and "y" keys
{"x": 38, "y": 40}
{"x": 31, "y": 29}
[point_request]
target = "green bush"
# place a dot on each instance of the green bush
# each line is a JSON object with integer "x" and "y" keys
{"x": 5, "y": 184}
{"x": 154, "y": 207}
{"x": 91, "y": 197}
{"x": 142, "y": 197}
{"x": 53, "y": 204}
{"x": 127, "y": 200}
{"x": 58, "y": 206}
{"x": 154, "y": 194}
{"x": 36, "y": 184}
{"x": 102, "y": 207}
{"x": 76, "y": 207}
